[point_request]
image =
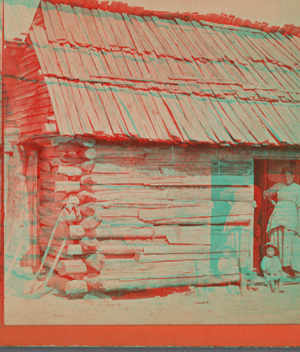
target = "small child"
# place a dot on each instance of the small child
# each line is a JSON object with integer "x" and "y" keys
{"x": 229, "y": 270}
{"x": 272, "y": 268}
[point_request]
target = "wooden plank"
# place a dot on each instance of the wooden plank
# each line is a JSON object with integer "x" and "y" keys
{"x": 230, "y": 220}
{"x": 99, "y": 109}
{"x": 166, "y": 117}
{"x": 239, "y": 123}
{"x": 161, "y": 258}
{"x": 114, "y": 112}
{"x": 191, "y": 194}
{"x": 67, "y": 186}
{"x": 119, "y": 22}
{"x": 162, "y": 44}
{"x": 62, "y": 9}
{"x": 139, "y": 270}
{"x": 185, "y": 104}
{"x": 273, "y": 126}
{"x": 69, "y": 170}
{"x": 133, "y": 33}
{"x": 98, "y": 30}
{"x": 187, "y": 131}
{"x": 58, "y": 28}
{"x": 233, "y": 131}
{"x": 106, "y": 28}
{"x": 214, "y": 123}
{"x": 201, "y": 234}
{"x": 156, "y": 118}
{"x": 70, "y": 21}
{"x": 90, "y": 27}
{"x": 117, "y": 197}
{"x": 43, "y": 46}
{"x": 116, "y": 212}
{"x": 144, "y": 34}
{"x": 127, "y": 124}
{"x": 50, "y": 30}
{"x": 199, "y": 210}
{"x": 221, "y": 180}
{"x": 88, "y": 118}
{"x": 68, "y": 104}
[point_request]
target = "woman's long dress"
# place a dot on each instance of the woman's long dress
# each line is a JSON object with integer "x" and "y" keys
{"x": 283, "y": 222}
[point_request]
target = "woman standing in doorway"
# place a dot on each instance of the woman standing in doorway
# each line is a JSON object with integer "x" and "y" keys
{"x": 283, "y": 227}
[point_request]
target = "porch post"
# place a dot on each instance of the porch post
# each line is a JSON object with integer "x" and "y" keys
{"x": 32, "y": 198}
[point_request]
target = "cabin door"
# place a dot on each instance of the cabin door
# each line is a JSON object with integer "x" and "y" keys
{"x": 266, "y": 174}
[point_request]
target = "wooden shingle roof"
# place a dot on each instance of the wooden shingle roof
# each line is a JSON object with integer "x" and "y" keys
{"x": 127, "y": 73}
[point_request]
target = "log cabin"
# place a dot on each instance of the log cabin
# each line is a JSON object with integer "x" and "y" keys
{"x": 139, "y": 143}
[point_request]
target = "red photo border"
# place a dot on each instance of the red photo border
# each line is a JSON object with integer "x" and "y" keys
{"x": 156, "y": 336}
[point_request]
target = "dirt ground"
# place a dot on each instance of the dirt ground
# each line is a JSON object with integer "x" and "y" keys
{"x": 213, "y": 305}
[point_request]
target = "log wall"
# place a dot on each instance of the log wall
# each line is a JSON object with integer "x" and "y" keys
{"x": 151, "y": 212}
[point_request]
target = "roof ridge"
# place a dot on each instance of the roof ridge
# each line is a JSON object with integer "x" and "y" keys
{"x": 211, "y": 19}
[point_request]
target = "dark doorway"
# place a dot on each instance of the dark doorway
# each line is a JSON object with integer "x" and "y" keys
{"x": 266, "y": 174}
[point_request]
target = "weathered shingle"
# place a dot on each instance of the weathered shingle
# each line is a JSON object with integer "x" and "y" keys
{"x": 160, "y": 77}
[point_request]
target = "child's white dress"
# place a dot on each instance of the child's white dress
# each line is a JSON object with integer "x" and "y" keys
{"x": 271, "y": 267}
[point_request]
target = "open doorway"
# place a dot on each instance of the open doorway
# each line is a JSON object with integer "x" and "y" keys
{"x": 267, "y": 173}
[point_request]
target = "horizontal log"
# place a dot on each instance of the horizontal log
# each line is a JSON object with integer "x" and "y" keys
{"x": 71, "y": 146}
{"x": 67, "y": 286}
{"x": 60, "y": 139}
{"x": 138, "y": 170}
{"x": 87, "y": 166}
{"x": 117, "y": 197}
{"x": 82, "y": 154}
{"x": 116, "y": 212}
{"x": 58, "y": 282}
{"x": 145, "y": 258}
{"x": 91, "y": 245}
{"x": 121, "y": 232}
{"x": 240, "y": 220}
{"x": 144, "y": 284}
{"x": 95, "y": 261}
{"x": 193, "y": 194}
{"x": 174, "y": 234}
{"x": 236, "y": 168}
{"x": 70, "y": 249}
{"x": 75, "y": 266}
{"x": 218, "y": 180}
{"x": 68, "y": 170}
{"x": 76, "y": 287}
{"x": 50, "y": 196}
{"x": 154, "y": 269}
{"x": 67, "y": 186}
{"x": 51, "y": 177}
{"x": 133, "y": 241}
{"x": 154, "y": 249}
{"x": 120, "y": 250}
{"x": 203, "y": 209}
